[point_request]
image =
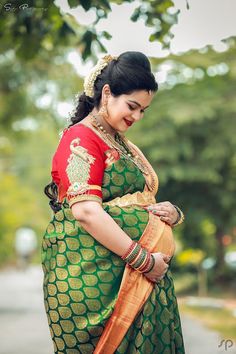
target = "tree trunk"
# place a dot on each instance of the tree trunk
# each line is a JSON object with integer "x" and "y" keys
{"x": 220, "y": 254}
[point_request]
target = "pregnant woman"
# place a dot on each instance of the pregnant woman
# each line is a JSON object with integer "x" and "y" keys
{"x": 107, "y": 250}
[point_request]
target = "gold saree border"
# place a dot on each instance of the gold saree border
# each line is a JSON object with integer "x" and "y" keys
{"x": 138, "y": 198}
{"x": 135, "y": 287}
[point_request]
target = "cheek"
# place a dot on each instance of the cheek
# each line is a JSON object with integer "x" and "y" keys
{"x": 117, "y": 112}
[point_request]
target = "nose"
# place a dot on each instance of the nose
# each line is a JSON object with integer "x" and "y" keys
{"x": 137, "y": 115}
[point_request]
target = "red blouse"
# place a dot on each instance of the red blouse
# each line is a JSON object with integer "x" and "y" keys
{"x": 78, "y": 164}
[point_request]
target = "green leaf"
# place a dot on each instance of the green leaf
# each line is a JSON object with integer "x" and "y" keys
{"x": 101, "y": 46}
{"x": 86, "y": 4}
{"x": 105, "y": 4}
{"x": 106, "y": 35}
{"x": 136, "y": 14}
{"x": 74, "y": 3}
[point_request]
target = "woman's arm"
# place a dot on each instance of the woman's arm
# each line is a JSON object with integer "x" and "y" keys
{"x": 101, "y": 226}
{"x": 105, "y": 230}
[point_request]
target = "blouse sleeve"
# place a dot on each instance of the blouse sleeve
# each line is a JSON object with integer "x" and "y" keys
{"x": 80, "y": 162}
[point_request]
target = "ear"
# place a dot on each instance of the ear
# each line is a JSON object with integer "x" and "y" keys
{"x": 106, "y": 92}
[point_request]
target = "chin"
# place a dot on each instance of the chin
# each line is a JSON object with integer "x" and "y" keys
{"x": 122, "y": 130}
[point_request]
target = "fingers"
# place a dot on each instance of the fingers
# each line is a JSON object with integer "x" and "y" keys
{"x": 158, "y": 210}
{"x": 166, "y": 219}
{"x": 166, "y": 258}
{"x": 160, "y": 268}
{"x": 157, "y": 279}
{"x": 165, "y": 210}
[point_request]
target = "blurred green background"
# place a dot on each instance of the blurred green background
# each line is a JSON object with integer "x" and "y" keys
{"x": 188, "y": 134}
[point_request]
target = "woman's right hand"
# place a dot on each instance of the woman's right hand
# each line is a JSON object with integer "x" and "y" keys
{"x": 160, "y": 267}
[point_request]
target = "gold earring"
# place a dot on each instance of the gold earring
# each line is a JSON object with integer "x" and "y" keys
{"x": 103, "y": 111}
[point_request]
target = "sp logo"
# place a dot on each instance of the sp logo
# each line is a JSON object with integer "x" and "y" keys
{"x": 228, "y": 343}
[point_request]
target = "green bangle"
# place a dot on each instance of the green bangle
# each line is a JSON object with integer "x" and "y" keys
{"x": 140, "y": 260}
{"x": 134, "y": 253}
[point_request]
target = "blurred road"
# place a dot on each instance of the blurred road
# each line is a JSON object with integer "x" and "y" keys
{"x": 23, "y": 323}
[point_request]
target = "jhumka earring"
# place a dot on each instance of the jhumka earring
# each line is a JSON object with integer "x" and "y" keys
{"x": 103, "y": 111}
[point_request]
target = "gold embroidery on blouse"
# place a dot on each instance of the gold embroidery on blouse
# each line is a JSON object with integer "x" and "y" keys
{"x": 80, "y": 198}
{"x": 78, "y": 168}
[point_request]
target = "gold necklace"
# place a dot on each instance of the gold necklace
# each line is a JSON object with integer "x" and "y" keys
{"x": 119, "y": 144}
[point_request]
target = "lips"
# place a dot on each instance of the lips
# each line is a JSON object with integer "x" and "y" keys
{"x": 128, "y": 122}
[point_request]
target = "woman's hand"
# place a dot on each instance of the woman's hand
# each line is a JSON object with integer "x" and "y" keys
{"x": 165, "y": 210}
{"x": 160, "y": 268}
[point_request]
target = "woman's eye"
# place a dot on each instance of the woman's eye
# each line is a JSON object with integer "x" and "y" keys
{"x": 131, "y": 107}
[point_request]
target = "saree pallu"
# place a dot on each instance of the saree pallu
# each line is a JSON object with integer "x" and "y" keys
{"x": 85, "y": 284}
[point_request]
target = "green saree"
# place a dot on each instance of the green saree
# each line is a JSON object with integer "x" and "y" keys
{"x": 82, "y": 278}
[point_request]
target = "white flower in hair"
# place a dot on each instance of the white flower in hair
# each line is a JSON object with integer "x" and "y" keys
{"x": 91, "y": 78}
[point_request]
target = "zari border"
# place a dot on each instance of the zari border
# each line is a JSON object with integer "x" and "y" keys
{"x": 138, "y": 198}
{"x": 135, "y": 288}
{"x": 82, "y": 197}
{"x": 151, "y": 179}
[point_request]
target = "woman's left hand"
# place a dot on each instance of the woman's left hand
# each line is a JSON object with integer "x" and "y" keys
{"x": 165, "y": 210}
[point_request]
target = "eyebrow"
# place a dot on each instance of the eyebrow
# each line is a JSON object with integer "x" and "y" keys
{"x": 138, "y": 104}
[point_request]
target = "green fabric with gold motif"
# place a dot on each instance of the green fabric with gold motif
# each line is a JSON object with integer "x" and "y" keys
{"x": 82, "y": 279}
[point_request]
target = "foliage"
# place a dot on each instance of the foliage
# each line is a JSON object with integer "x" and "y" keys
{"x": 38, "y": 27}
{"x": 185, "y": 282}
{"x": 18, "y": 209}
{"x": 23, "y": 86}
{"x": 190, "y": 257}
{"x": 29, "y": 134}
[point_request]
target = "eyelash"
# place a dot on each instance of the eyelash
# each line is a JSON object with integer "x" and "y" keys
{"x": 132, "y": 108}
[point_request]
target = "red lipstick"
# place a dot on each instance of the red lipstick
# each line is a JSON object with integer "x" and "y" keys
{"x": 129, "y": 123}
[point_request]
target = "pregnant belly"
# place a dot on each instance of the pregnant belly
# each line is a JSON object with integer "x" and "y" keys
{"x": 158, "y": 236}
{"x": 166, "y": 243}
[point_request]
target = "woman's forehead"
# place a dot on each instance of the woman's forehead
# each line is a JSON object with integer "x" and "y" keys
{"x": 142, "y": 97}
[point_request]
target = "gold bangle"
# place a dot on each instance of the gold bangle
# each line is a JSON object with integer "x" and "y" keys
{"x": 180, "y": 218}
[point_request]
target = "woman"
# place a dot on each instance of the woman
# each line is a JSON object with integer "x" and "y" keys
{"x": 106, "y": 252}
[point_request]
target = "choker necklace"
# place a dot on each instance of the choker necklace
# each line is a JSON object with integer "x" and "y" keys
{"x": 119, "y": 143}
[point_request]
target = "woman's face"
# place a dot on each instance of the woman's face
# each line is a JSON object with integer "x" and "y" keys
{"x": 125, "y": 110}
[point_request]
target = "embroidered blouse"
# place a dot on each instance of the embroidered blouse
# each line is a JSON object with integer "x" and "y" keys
{"x": 78, "y": 164}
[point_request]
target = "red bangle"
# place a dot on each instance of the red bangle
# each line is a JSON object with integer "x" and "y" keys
{"x": 151, "y": 266}
{"x": 146, "y": 264}
{"x": 130, "y": 249}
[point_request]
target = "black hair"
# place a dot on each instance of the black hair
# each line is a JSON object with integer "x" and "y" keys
{"x": 131, "y": 71}
{"x": 51, "y": 192}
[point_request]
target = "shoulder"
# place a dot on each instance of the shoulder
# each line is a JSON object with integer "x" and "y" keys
{"x": 79, "y": 139}
{"x": 77, "y": 130}
{"x": 84, "y": 134}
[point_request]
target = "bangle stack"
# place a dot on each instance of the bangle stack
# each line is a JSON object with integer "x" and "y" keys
{"x": 180, "y": 218}
{"x": 139, "y": 258}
